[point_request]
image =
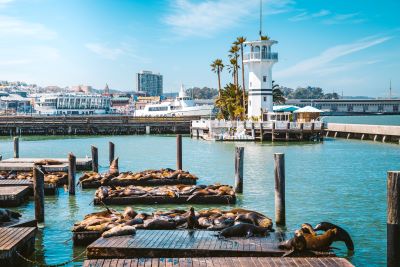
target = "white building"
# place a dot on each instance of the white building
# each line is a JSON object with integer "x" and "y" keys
{"x": 72, "y": 104}
{"x": 260, "y": 60}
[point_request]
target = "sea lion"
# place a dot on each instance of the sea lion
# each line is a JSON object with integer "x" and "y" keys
{"x": 255, "y": 218}
{"x": 102, "y": 192}
{"x": 205, "y": 222}
{"x": 119, "y": 230}
{"x": 157, "y": 224}
{"x": 7, "y": 215}
{"x": 320, "y": 242}
{"x": 134, "y": 221}
{"x": 342, "y": 235}
{"x": 114, "y": 167}
{"x": 243, "y": 230}
{"x": 191, "y": 219}
{"x": 129, "y": 213}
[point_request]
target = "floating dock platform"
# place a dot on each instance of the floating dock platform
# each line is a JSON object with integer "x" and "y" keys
{"x": 26, "y": 164}
{"x": 187, "y": 243}
{"x": 13, "y": 196}
{"x": 49, "y": 189}
{"x": 16, "y": 240}
{"x": 216, "y": 262}
{"x": 227, "y": 199}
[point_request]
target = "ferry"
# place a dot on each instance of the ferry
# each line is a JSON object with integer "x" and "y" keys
{"x": 183, "y": 105}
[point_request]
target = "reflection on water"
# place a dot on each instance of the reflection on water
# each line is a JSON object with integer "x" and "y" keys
{"x": 343, "y": 181}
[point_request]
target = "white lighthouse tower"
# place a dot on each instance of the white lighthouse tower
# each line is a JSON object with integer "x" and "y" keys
{"x": 260, "y": 60}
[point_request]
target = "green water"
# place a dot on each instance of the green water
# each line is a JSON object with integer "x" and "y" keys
{"x": 342, "y": 181}
{"x": 370, "y": 119}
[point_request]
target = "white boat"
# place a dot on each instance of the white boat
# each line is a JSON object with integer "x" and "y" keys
{"x": 183, "y": 105}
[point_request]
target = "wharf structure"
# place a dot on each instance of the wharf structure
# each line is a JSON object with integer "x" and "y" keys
{"x": 259, "y": 130}
{"x": 95, "y": 124}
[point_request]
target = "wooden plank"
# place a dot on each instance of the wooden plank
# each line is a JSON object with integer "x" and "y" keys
{"x": 12, "y": 196}
{"x": 12, "y": 239}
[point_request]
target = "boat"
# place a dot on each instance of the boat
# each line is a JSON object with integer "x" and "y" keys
{"x": 183, "y": 105}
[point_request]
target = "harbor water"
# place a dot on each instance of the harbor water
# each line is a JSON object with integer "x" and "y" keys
{"x": 341, "y": 181}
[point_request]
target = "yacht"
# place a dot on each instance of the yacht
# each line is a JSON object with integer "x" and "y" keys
{"x": 183, "y": 105}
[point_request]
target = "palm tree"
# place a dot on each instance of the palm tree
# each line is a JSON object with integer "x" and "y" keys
{"x": 234, "y": 54}
{"x": 232, "y": 69}
{"x": 229, "y": 103}
{"x": 217, "y": 66}
{"x": 277, "y": 94}
{"x": 240, "y": 41}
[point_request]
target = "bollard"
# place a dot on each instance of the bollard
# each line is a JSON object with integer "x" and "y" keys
{"x": 95, "y": 159}
{"x": 16, "y": 147}
{"x": 179, "y": 152}
{"x": 393, "y": 218}
{"x": 111, "y": 152}
{"x": 239, "y": 156}
{"x": 71, "y": 173}
{"x": 280, "y": 217}
{"x": 38, "y": 192}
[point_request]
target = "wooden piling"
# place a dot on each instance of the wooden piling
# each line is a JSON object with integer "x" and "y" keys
{"x": 239, "y": 157}
{"x": 179, "y": 152}
{"x": 287, "y": 137}
{"x": 16, "y": 147}
{"x": 71, "y": 173}
{"x": 95, "y": 159}
{"x": 111, "y": 156}
{"x": 273, "y": 132}
{"x": 393, "y": 218}
{"x": 261, "y": 132}
{"x": 301, "y": 131}
{"x": 279, "y": 167}
{"x": 38, "y": 192}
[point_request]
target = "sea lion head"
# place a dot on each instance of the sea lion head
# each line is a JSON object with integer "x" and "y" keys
{"x": 341, "y": 235}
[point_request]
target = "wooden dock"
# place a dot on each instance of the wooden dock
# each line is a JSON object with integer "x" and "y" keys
{"x": 148, "y": 182}
{"x": 13, "y": 240}
{"x": 187, "y": 243}
{"x": 26, "y": 164}
{"x": 13, "y": 196}
{"x": 49, "y": 189}
{"x": 19, "y": 223}
{"x": 227, "y": 199}
{"x": 216, "y": 262}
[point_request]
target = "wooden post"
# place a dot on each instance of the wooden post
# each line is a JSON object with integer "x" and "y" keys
{"x": 362, "y": 137}
{"x": 261, "y": 132}
{"x": 280, "y": 217}
{"x": 393, "y": 218}
{"x": 348, "y": 136}
{"x": 335, "y": 134}
{"x": 111, "y": 152}
{"x": 179, "y": 152}
{"x": 287, "y": 131}
{"x": 239, "y": 157}
{"x": 301, "y": 131}
{"x": 95, "y": 159}
{"x": 71, "y": 173}
{"x": 253, "y": 131}
{"x": 16, "y": 147}
{"x": 38, "y": 192}
{"x": 273, "y": 131}
{"x": 327, "y": 134}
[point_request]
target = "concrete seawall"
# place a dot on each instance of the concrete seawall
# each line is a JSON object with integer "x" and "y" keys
{"x": 383, "y": 133}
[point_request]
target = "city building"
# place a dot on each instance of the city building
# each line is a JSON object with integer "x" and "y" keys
{"x": 260, "y": 60}
{"x": 150, "y": 83}
{"x": 72, "y": 104}
{"x": 345, "y": 106}
{"x": 14, "y": 103}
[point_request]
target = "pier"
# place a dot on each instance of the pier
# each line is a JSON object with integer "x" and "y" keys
{"x": 93, "y": 125}
{"x": 26, "y": 164}
{"x": 13, "y": 196}
{"x": 379, "y": 133}
{"x": 15, "y": 241}
{"x": 258, "y": 131}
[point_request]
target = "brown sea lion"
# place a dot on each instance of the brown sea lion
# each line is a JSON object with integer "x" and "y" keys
{"x": 113, "y": 170}
{"x": 342, "y": 235}
{"x": 156, "y": 224}
{"x": 243, "y": 230}
{"x": 119, "y": 230}
{"x": 191, "y": 219}
{"x": 256, "y": 219}
{"x": 7, "y": 215}
{"x": 129, "y": 213}
{"x": 320, "y": 242}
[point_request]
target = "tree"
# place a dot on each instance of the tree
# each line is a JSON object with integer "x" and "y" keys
{"x": 240, "y": 41}
{"x": 232, "y": 68}
{"x": 229, "y": 104}
{"x": 202, "y": 93}
{"x": 217, "y": 66}
{"x": 277, "y": 94}
{"x": 234, "y": 54}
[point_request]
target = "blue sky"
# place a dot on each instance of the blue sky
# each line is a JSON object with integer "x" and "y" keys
{"x": 352, "y": 46}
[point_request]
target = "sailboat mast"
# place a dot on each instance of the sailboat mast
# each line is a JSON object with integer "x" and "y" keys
{"x": 260, "y": 19}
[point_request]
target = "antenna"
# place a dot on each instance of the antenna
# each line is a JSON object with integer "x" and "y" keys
{"x": 260, "y": 19}
{"x": 390, "y": 89}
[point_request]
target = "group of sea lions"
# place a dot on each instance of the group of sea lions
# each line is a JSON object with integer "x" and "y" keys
{"x": 231, "y": 223}
{"x": 307, "y": 238}
{"x": 114, "y": 177}
{"x": 166, "y": 190}
{"x": 58, "y": 178}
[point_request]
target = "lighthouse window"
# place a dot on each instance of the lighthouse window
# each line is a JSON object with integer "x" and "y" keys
{"x": 265, "y": 79}
{"x": 265, "y": 98}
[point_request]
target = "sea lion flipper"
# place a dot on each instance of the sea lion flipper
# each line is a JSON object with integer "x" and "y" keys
{"x": 289, "y": 253}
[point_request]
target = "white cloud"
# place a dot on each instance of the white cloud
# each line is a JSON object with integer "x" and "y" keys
{"x": 352, "y": 18}
{"x": 14, "y": 27}
{"x": 105, "y": 51}
{"x": 189, "y": 18}
{"x": 306, "y": 16}
{"x": 320, "y": 63}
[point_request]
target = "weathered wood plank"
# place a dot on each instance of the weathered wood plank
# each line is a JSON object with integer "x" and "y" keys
{"x": 15, "y": 239}
{"x": 12, "y": 196}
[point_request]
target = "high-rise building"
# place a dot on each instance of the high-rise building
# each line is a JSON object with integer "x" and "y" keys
{"x": 150, "y": 83}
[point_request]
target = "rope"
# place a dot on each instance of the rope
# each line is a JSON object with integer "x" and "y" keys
{"x": 36, "y": 263}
